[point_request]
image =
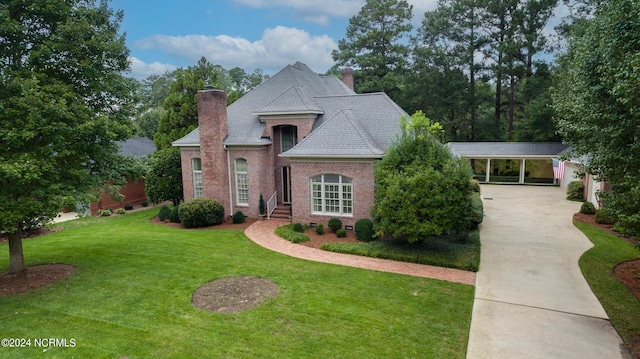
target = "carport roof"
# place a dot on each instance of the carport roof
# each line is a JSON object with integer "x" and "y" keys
{"x": 506, "y": 149}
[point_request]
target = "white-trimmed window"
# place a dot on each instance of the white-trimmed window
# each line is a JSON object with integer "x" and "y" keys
{"x": 288, "y": 138}
{"x": 196, "y": 165}
{"x": 332, "y": 194}
{"x": 242, "y": 182}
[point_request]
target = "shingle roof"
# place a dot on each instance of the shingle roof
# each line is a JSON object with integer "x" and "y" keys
{"x": 139, "y": 147}
{"x": 506, "y": 149}
{"x": 347, "y": 123}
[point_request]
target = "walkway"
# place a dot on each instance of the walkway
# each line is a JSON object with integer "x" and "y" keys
{"x": 531, "y": 299}
{"x": 262, "y": 233}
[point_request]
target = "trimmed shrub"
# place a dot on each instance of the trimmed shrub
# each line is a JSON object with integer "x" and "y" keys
{"x": 201, "y": 212}
{"x": 262, "y": 208}
{"x": 364, "y": 230}
{"x": 587, "y": 208}
{"x": 334, "y": 224}
{"x": 575, "y": 191}
{"x": 604, "y": 216}
{"x": 238, "y": 217}
{"x": 128, "y": 206}
{"x": 477, "y": 211}
{"x": 289, "y": 234}
{"x": 104, "y": 212}
{"x": 165, "y": 213}
{"x": 341, "y": 233}
{"x": 297, "y": 227}
{"x": 144, "y": 203}
{"x": 120, "y": 211}
{"x": 320, "y": 229}
{"x": 175, "y": 215}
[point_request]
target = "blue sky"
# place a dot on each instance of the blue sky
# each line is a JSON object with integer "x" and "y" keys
{"x": 268, "y": 34}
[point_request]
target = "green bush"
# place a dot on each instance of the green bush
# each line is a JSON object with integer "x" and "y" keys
{"x": 297, "y": 227}
{"x": 144, "y": 203}
{"x": 287, "y": 232}
{"x": 341, "y": 233}
{"x": 175, "y": 215}
{"x": 334, "y": 224}
{"x": 104, "y": 212}
{"x": 128, "y": 206}
{"x": 587, "y": 208}
{"x": 364, "y": 230}
{"x": 604, "y": 216}
{"x": 475, "y": 186}
{"x": 120, "y": 211}
{"x": 575, "y": 191}
{"x": 477, "y": 211}
{"x": 201, "y": 212}
{"x": 238, "y": 217}
{"x": 165, "y": 213}
{"x": 320, "y": 229}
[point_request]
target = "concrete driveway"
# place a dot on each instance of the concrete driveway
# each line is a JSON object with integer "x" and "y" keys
{"x": 531, "y": 299}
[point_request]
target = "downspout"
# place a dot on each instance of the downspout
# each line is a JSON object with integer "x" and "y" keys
{"x": 229, "y": 177}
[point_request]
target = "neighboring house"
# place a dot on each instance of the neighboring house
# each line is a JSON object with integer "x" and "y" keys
{"x": 306, "y": 142}
{"x": 133, "y": 190}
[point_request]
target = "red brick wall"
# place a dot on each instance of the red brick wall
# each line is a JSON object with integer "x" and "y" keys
{"x": 260, "y": 174}
{"x": 362, "y": 187}
{"x": 133, "y": 193}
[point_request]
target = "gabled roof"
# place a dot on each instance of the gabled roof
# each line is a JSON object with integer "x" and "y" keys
{"x": 365, "y": 124}
{"x": 295, "y": 100}
{"x": 138, "y": 146}
{"x": 506, "y": 149}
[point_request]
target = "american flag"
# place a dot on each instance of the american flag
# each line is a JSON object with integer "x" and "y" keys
{"x": 558, "y": 169}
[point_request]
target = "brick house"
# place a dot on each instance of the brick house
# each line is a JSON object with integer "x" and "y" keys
{"x": 306, "y": 142}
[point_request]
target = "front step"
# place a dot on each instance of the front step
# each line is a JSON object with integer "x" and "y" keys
{"x": 281, "y": 212}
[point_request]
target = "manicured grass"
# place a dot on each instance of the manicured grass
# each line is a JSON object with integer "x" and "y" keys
{"x": 131, "y": 296}
{"x": 289, "y": 234}
{"x": 597, "y": 266}
{"x": 442, "y": 251}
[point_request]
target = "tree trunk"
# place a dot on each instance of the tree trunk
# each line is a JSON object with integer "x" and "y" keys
{"x": 16, "y": 256}
{"x": 512, "y": 104}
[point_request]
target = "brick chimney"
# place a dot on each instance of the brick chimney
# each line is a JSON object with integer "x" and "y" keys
{"x": 212, "y": 121}
{"x": 347, "y": 78}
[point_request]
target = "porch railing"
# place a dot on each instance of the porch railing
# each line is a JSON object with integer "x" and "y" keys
{"x": 272, "y": 203}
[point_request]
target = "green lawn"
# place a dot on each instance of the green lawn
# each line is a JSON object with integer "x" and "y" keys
{"x": 597, "y": 266}
{"x": 130, "y": 296}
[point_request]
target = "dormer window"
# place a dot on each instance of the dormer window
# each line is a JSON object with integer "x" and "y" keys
{"x": 288, "y": 138}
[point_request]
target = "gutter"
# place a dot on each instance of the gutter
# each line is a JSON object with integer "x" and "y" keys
{"x": 229, "y": 177}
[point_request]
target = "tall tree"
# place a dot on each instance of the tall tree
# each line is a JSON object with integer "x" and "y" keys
{"x": 63, "y": 104}
{"x": 373, "y": 44}
{"x": 181, "y": 116}
{"x": 450, "y": 34}
{"x": 598, "y": 104}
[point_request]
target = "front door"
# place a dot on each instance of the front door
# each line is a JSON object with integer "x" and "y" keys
{"x": 286, "y": 185}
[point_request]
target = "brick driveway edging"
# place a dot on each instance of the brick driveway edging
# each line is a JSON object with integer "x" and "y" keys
{"x": 262, "y": 233}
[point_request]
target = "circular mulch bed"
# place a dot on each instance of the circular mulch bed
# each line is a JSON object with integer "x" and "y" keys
{"x": 234, "y": 294}
{"x": 34, "y": 277}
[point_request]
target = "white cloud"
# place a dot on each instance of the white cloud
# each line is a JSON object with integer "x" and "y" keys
{"x": 277, "y": 47}
{"x": 309, "y": 9}
{"x": 141, "y": 70}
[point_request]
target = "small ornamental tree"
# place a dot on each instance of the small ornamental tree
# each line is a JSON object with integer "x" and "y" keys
{"x": 421, "y": 189}
{"x": 164, "y": 181}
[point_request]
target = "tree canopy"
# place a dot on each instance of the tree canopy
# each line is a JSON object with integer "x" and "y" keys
{"x": 597, "y": 103}
{"x": 421, "y": 190}
{"x": 63, "y": 103}
{"x": 374, "y": 44}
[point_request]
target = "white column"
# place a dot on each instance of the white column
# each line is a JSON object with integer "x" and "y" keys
{"x": 487, "y": 175}
{"x": 522, "y": 165}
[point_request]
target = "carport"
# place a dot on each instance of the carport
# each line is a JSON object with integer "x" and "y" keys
{"x": 510, "y": 162}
